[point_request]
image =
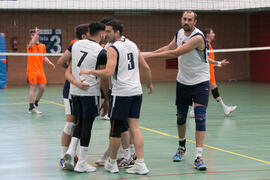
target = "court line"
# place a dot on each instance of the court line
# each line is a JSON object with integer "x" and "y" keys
{"x": 192, "y": 173}
{"x": 191, "y": 141}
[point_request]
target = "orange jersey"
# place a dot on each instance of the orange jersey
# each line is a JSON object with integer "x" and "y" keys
{"x": 35, "y": 63}
{"x": 211, "y": 66}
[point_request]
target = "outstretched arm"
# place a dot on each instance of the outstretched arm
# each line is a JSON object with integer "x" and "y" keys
{"x": 170, "y": 46}
{"x": 193, "y": 43}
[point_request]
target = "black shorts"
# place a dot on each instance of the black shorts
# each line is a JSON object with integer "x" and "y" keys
{"x": 122, "y": 108}
{"x": 85, "y": 107}
{"x": 198, "y": 93}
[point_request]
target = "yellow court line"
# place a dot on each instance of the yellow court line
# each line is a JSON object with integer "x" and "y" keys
{"x": 52, "y": 102}
{"x": 191, "y": 141}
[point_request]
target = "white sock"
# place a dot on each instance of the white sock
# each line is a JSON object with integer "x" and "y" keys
{"x": 82, "y": 154}
{"x": 222, "y": 104}
{"x": 120, "y": 153}
{"x": 199, "y": 151}
{"x": 64, "y": 150}
{"x": 107, "y": 152}
{"x": 112, "y": 161}
{"x": 127, "y": 153}
{"x": 73, "y": 146}
{"x": 132, "y": 149}
{"x": 140, "y": 160}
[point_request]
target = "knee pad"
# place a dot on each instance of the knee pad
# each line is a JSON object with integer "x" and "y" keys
{"x": 200, "y": 112}
{"x": 117, "y": 127}
{"x": 215, "y": 93}
{"x": 69, "y": 128}
{"x": 182, "y": 114}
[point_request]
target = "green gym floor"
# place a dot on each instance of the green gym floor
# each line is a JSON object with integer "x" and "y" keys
{"x": 236, "y": 147}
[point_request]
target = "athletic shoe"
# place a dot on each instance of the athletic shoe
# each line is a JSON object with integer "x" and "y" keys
{"x": 69, "y": 162}
{"x": 101, "y": 161}
{"x": 84, "y": 167}
{"x": 62, "y": 164}
{"x": 199, "y": 164}
{"x": 126, "y": 163}
{"x": 112, "y": 168}
{"x": 34, "y": 111}
{"x": 138, "y": 168}
{"x": 181, "y": 151}
{"x": 105, "y": 117}
{"x": 229, "y": 109}
{"x": 134, "y": 157}
{"x": 191, "y": 113}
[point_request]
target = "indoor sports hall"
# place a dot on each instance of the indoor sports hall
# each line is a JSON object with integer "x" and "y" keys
{"x": 236, "y": 143}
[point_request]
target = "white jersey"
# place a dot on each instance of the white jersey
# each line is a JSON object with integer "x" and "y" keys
{"x": 126, "y": 79}
{"x": 193, "y": 67}
{"x": 86, "y": 54}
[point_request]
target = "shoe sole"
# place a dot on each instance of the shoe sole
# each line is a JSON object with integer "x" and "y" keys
{"x": 79, "y": 171}
{"x": 201, "y": 168}
{"x": 68, "y": 164}
{"x": 132, "y": 172}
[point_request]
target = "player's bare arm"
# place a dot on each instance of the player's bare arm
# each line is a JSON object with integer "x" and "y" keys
{"x": 64, "y": 59}
{"x": 110, "y": 66}
{"x": 147, "y": 73}
{"x": 71, "y": 79}
{"x": 34, "y": 38}
{"x": 193, "y": 43}
{"x": 45, "y": 59}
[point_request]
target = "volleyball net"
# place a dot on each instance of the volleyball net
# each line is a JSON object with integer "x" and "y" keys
{"x": 241, "y": 28}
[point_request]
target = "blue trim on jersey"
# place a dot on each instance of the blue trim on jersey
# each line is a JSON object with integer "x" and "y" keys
{"x": 205, "y": 42}
{"x": 176, "y": 36}
{"x": 66, "y": 89}
{"x": 116, "y": 68}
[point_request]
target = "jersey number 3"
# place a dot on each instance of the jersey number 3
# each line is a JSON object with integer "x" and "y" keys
{"x": 131, "y": 61}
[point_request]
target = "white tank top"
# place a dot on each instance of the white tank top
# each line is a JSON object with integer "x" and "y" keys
{"x": 193, "y": 67}
{"x": 85, "y": 55}
{"x": 126, "y": 79}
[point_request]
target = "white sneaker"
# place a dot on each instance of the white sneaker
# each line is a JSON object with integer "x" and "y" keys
{"x": 191, "y": 113}
{"x": 69, "y": 162}
{"x": 138, "y": 168}
{"x": 229, "y": 109}
{"x": 101, "y": 161}
{"x": 84, "y": 167}
{"x": 112, "y": 168}
{"x": 105, "y": 117}
{"x": 34, "y": 111}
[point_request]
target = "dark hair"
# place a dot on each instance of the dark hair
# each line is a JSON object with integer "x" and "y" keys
{"x": 189, "y": 11}
{"x": 206, "y": 31}
{"x": 95, "y": 27}
{"x": 116, "y": 25}
{"x": 31, "y": 31}
{"x": 106, "y": 20}
{"x": 80, "y": 30}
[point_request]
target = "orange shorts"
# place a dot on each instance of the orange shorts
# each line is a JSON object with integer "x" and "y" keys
{"x": 212, "y": 74}
{"x": 36, "y": 77}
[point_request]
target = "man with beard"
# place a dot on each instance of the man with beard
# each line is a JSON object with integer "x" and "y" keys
{"x": 192, "y": 84}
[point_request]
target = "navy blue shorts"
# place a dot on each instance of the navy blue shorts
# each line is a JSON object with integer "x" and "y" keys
{"x": 122, "y": 108}
{"x": 85, "y": 107}
{"x": 198, "y": 93}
